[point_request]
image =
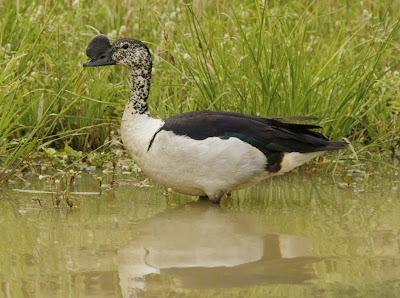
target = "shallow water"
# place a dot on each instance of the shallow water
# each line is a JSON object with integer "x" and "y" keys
{"x": 297, "y": 235}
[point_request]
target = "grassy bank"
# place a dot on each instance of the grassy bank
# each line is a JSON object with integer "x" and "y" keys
{"x": 336, "y": 60}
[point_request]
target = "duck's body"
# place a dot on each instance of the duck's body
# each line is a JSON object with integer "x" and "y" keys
{"x": 173, "y": 160}
{"x": 204, "y": 153}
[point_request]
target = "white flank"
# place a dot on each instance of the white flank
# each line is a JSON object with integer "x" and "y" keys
{"x": 293, "y": 160}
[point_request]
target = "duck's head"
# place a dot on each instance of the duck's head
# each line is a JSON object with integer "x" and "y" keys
{"x": 128, "y": 52}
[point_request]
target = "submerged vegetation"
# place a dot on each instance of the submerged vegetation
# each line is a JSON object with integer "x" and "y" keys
{"x": 336, "y": 60}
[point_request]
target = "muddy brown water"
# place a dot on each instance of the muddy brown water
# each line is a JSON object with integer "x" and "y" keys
{"x": 297, "y": 235}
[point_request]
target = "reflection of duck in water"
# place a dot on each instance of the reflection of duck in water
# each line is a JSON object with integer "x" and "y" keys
{"x": 205, "y": 247}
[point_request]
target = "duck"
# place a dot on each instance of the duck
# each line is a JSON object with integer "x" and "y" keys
{"x": 203, "y": 153}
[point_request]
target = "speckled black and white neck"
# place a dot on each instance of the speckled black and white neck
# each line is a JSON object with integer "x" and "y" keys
{"x": 138, "y": 60}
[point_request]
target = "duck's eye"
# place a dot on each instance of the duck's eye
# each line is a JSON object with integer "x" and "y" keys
{"x": 125, "y": 46}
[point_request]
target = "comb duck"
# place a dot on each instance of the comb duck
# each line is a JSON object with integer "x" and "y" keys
{"x": 205, "y": 153}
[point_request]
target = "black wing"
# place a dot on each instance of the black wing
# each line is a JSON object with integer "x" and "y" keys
{"x": 259, "y": 132}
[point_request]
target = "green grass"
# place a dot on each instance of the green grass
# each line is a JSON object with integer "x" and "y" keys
{"x": 336, "y": 60}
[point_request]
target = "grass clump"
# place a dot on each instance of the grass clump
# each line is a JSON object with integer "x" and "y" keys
{"x": 337, "y": 60}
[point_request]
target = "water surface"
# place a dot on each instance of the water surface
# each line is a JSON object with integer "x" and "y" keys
{"x": 296, "y": 235}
